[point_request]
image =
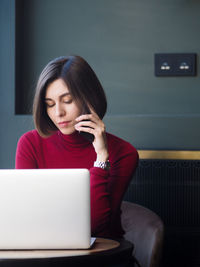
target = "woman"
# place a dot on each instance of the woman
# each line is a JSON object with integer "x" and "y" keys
{"x": 68, "y": 109}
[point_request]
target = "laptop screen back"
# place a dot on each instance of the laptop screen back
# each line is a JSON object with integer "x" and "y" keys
{"x": 45, "y": 209}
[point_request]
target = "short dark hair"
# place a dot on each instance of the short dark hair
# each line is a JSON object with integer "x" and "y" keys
{"x": 82, "y": 82}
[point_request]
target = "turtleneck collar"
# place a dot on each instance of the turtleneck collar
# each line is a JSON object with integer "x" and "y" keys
{"x": 74, "y": 139}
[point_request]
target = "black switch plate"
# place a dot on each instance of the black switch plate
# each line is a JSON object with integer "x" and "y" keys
{"x": 175, "y": 64}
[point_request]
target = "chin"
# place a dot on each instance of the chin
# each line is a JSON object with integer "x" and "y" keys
{"x": 67, "y": 131}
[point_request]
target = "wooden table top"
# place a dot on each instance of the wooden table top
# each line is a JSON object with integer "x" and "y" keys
{"x": 100, "y": 245}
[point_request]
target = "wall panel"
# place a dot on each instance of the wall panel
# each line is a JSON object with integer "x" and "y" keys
{"x": 119, "y": 39}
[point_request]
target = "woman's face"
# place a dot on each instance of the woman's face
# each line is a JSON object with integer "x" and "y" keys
{"x": 60, "y": 106}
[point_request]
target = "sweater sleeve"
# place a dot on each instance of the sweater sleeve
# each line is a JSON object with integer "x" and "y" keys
{"x": 25, "y": 154}
{"x": 122, "y": 171}
{"x": 108, "y": 189}
{"x": 100, "y": 201}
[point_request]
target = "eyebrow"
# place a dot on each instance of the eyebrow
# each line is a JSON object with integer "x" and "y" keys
{"x": 61, "y": 96}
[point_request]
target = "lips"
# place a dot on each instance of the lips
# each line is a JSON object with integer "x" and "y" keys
{"x": 63, "y": 124}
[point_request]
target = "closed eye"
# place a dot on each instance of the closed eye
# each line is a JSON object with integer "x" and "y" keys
{"x": 49, "y": 104}
{"x": 68, "y": 101}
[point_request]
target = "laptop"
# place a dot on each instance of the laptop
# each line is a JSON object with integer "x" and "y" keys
{"x": 45, "y": 209}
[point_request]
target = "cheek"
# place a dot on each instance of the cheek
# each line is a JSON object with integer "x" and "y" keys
{"x": 50, "y": 114}
{"x": 75, "y": 110}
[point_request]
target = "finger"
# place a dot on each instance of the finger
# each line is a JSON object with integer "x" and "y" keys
{"x": 92, "y": 117}
{"x": 86, "y": 123}
{"x": 85, "y": 129}
{"x": 84, "y": 117}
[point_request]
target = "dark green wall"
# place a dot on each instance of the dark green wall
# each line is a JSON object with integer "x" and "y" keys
{"x": 118, "y": 38}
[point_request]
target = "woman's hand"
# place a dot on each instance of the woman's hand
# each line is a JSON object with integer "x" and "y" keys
{"x": 91, "y": 123}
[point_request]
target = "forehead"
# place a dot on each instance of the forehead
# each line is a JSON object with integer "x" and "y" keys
{"x": 56, "y": 89}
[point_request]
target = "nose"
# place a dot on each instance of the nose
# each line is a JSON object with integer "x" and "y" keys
{"x": 60, "y": 111}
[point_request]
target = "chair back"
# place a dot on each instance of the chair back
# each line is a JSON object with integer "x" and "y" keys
{"x": 145, "y": 230}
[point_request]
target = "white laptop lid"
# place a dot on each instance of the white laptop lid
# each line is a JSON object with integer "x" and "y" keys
{"x": 45, "y": 209}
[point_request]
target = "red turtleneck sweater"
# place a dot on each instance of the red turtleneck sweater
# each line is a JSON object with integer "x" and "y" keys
{"x": 73, "y": 151}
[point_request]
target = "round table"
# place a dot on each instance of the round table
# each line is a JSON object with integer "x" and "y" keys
{"x": 104, "y": 252}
